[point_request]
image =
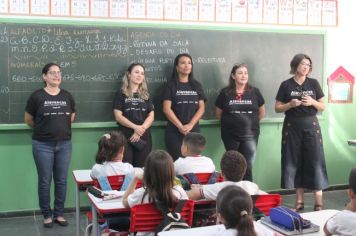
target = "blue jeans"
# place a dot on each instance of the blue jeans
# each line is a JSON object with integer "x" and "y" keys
{"x": 52, "y": 157}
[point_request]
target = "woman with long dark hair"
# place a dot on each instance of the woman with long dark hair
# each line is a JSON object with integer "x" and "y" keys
{"x": 183, "y": 104}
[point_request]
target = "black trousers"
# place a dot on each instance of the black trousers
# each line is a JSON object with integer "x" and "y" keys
{"x": 303, "y": 162}
{"x": 174, "y": 139}
{"x": 247, "y": 148}
{"x": 137, "y": 157}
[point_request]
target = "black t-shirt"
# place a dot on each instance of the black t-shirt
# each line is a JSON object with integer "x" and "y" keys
{"x": 135, "y": 109}
{"x": 185, "y": 99}
{"x": 51, "y": 114}
{"x": 239, "y": 117}
{"x": 289, "y": 89}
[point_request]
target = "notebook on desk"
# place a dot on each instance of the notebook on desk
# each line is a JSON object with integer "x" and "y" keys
{"x": 267, "y": 221}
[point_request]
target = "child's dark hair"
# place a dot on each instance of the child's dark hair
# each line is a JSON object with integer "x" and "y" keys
{"x": 235, "y": 205}
{"x": 233, "y": 165}
{"x": 109, "y": 145}
{"x": 158, "y": 177}
{"x": 352, "y": 180}
{"x": 195, "y": 142}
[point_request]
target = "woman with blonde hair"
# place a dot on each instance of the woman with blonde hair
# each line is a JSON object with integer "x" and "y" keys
{"x": 134, "y": 113}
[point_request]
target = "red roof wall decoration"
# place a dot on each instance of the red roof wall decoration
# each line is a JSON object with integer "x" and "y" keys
{"x": 341, "y": 75}
{"x": 338, "y": 77}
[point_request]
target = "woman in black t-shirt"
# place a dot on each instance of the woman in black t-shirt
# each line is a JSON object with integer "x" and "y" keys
{"x": 50, "y": 111}
{"x": 183, "y": 104}
{"x": 134, "y": 113}
{"x": 303, "y": 163}
{"x": 240, "y": 107}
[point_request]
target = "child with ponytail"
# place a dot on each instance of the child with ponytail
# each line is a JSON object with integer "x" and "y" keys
{"x": 234, "y": 209}
{"x": 109, "y": 156}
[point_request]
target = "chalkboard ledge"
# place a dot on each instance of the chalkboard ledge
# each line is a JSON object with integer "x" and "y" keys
{"x": 89, "y": 125}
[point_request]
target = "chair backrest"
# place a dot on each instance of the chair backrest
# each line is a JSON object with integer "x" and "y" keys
{"x": 146, "y": 218}
{"x": 265, "y": 202}
{"x": 203, "y": 178}
{"x": 116, "y": 182}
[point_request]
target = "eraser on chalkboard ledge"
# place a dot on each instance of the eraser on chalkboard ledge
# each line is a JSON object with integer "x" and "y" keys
{"x": 351, "y": 142}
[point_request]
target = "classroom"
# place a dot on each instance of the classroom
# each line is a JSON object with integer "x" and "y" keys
{"x": 266, "y": 47}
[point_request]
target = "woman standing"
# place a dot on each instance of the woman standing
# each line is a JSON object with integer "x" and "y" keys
{"x": 303, "y": 163}
{"x": 50, "y": 111}
{"x": 240, "y": 107}
{"x": 134, "y": 112}
{"x": 183, "y": 104}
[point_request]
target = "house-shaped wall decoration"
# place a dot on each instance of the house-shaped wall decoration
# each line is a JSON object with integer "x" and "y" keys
{"x": 340, "y": 84}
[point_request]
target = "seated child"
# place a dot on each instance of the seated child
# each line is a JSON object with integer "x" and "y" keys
{"x": 158, "y": 182}
{"x": 109, "y": 156}
{"x": 233, "y": 167}
{"x": 343, "y": 222}
{"x": 193, "y": 162}
{"x": 234, "y": 208}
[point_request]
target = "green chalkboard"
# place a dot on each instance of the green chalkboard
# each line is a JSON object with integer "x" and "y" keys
{"x": 94, "y": 58}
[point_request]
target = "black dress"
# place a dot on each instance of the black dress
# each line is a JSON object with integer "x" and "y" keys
{"x": 303, "y": 162}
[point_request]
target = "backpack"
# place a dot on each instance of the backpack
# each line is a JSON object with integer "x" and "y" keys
{"x": 172, "y": 220}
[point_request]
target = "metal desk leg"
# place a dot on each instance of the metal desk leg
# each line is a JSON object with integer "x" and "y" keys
{"x": 94, "y": 221}
{"x": 77, "y": 211}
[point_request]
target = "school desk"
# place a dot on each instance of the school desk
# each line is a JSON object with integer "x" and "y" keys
{"x": 317, "y": 217}
{"x": 99, "y": 206}
{"x": 82, "y": 179}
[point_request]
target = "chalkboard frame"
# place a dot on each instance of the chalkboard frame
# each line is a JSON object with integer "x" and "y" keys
{"x": 104, "y": 23}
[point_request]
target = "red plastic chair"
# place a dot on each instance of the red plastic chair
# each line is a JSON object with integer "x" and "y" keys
{"x": 116, "y": 182}
{"x": 146, "y": 218}
{"x": 265, "y": 202}
{"x": 204, "y": 177}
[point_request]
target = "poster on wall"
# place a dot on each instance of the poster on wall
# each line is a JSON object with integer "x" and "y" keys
{"x": 172, "y": 10}
{"x": 21, "y": 7}
{"x": 300, "y": 12}
{"x": 270, "y": 12}
{"x": 223, "y": 10}
{"x": 4, "y": 7}
{"x": 154, "y": 9}
{"x": 285, "y": 15}
{"x": 329, "y": 13}
{"x": 314, "y": 12}
{"x": 80, "y": 8}
{"x": 60, "y": 7}
{"x": 99, "y": 8}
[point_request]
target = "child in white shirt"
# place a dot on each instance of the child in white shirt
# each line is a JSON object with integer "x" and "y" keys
{"x": 343, "y": 223}
{"x": 192, "y": 160}
{"x": 158, "y": 180}
{"x": 233, "y": 167}
{"x": 109, "y": 156}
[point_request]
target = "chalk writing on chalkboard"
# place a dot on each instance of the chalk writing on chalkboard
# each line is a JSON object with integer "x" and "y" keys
{"x": 94, "y": 59}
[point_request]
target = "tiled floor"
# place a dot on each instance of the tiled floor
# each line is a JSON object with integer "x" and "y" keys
{"x": 32, "y": 225}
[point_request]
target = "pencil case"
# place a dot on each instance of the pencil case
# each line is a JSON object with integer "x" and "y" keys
{"x": 285, "y": 217}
